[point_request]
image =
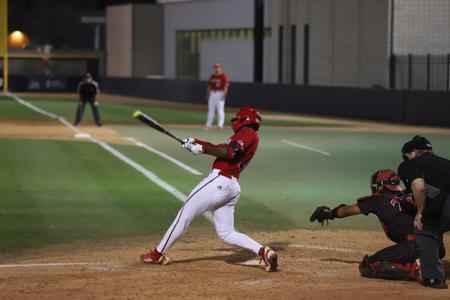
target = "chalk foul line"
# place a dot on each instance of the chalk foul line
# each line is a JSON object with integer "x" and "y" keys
{"x": 318, "y": 247}
{"x": 38, "y": 265}
{"x": 164, "y": 155}
{"x": 119, "y": 155}
{"x": 304, "y": 147}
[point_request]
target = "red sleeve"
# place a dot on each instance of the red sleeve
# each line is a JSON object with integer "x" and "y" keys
{"x": 225, "y": 80}
{"x": 203, "y": 143}
{"x": 242, "y": 140}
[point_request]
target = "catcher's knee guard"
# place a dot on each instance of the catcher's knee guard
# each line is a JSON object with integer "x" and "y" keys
{"x": 388, "y": 270}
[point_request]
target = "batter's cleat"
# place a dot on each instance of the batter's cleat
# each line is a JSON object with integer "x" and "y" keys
{"x": 206, "y": 127}
{"x": 154, "y": 257}
{"x": 270, "y": 259}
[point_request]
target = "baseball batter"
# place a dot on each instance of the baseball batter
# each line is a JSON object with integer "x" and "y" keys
{"x": 396, "y": 211}
{"x": 219, "y": 192}
{"x": 216, "y": 94}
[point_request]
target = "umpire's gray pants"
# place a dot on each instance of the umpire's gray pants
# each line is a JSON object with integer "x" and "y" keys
{"x": 429, "y": 241}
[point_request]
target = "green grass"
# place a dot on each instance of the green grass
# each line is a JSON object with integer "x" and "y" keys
{"x": 291, "y": 182}
{"x": 56, "y": 191}
{"x": 121, "y": 113}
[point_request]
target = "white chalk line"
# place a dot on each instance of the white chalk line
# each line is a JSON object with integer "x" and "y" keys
{"x": 306, "y": 147}
{"x": 255, "y": 262}
{"x": 39, "y": 265}
{"x": 164, "y": 155}
{"x": 317, "y": 247}
{"x": 150, "y": 175}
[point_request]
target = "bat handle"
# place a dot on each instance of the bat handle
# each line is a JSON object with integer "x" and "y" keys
{"x": 178, "y": 139}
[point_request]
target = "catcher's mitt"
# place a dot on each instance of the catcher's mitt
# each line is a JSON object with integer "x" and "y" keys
{"x": 321, "y": 214}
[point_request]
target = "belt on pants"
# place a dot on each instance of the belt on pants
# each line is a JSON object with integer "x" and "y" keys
{"x": 411, "y": 237}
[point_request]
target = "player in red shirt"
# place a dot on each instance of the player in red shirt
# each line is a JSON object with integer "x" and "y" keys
{"x": 216, "y": 94}
{"x": 219, "y": 192}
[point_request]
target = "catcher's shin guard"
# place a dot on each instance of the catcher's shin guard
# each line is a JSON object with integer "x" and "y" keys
{"x": 388, "y": 270}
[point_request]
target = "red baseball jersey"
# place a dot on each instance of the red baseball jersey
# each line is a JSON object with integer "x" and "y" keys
{"x": 218, "y": 82}
{"x": 241, "y": 149}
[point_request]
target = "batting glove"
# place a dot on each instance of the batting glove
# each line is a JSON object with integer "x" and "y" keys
{"x": 194, "y": 148}
{"x": 188, "y": 140}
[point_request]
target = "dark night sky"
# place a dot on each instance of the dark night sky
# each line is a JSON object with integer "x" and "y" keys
{"x": 57, "y": 22}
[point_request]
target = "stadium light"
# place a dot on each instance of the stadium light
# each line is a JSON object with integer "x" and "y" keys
{"x": 19, "y": 40}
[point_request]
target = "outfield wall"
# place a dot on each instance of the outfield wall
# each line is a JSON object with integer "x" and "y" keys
{"x": 414, "y": 107}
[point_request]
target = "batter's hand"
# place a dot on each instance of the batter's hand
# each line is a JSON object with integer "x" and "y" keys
{"x": 418, "y": 221}
{"x": 194, "y": 148}
{"x": 188, "y": 140}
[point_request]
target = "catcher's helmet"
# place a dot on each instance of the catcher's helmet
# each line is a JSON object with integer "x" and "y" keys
{"x": 244, "y": 117}
{"x": 417, "y": 142}
{"x": 385, "y": 179}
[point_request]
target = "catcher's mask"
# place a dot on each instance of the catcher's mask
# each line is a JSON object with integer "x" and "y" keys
{"x": 244, "y": 117}
{"x": 385, "y": 179}
{"x": 416, "y": 143}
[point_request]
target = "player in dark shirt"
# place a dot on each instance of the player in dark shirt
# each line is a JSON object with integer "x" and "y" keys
{"x": 427, "y": 177}
{"x": 395, "y": 210}
{"x": 88, "y": 90}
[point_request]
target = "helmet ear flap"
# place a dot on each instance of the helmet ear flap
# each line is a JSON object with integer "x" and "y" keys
{"x": 373, "y": 182}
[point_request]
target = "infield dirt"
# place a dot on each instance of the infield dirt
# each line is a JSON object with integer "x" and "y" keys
{"x": 319, "y": 264}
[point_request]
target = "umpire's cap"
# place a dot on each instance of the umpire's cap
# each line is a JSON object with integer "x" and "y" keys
{"x": 418, "y": 142}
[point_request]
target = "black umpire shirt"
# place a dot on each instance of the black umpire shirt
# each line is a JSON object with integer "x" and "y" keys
{"x": 435, "y": 171}
{"x": 392, "y": 211}
{"x": 88, "y": 91}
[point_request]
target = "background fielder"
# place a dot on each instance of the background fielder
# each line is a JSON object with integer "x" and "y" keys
{"x": 216, "y": 95}
{"x": 220, "y": 191}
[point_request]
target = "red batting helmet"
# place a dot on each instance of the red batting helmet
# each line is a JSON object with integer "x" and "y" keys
{"x": 385, "y": 179}
{"x": 244, "y": 117}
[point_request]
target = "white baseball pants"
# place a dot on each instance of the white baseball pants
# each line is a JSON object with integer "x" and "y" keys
{"x": 215, "y": 103}
{"x": 217, "y": 194}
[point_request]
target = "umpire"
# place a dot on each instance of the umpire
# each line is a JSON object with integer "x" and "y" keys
{"x": 88, "y": 90}
{"x": 427, "y": 176}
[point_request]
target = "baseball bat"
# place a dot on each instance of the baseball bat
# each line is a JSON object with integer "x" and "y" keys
{"x": 147, "y": 120}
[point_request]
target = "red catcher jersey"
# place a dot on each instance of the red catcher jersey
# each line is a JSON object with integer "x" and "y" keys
{"x": 218, "y": 82}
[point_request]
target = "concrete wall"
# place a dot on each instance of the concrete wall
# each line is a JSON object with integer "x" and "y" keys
{"x": 148, "y": 50}
{"x": 218, "y": 14}
{"x": 237, "y": 67}
{"x": 348, "y": 41}
{"x": 134, "y": 37}
{"x": 422, "y": 26}
{"x": 119, "y": 40}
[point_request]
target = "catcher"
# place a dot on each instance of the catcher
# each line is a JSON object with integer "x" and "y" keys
{"x": 395, "y": 210}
